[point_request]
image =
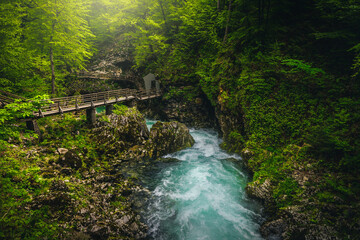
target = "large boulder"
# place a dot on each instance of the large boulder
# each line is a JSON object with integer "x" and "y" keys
{"x": 126, "y": 136}
{"x": 168, "y": 137}
{"x": 116, "y": 133}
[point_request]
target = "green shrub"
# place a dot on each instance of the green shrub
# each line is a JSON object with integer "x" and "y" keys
{"x": 120, "y": 109}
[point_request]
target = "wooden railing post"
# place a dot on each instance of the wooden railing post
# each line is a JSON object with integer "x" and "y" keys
{"x": 77, "y": 105}
{"x": 92, "y": 103}
{"x": 40, "y": 113}
{"x": 60, "y": 110}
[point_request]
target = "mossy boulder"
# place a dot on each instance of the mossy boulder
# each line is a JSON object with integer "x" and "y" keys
{"x": 116, "y": 133}
{"x": 168, "y": 137}
{"x": 125, "y": 135}
{"x": 71, "y": 159}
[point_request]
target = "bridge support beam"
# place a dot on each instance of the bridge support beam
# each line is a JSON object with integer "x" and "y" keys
{"x": 91, "y": 116}
{"x": 33, "y": 126}
{"x": 109, "y": 109}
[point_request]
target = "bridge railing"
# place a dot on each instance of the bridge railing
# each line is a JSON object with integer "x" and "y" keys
{"x": 7, "y": 97}
{"x": 58, "y": 105}
{"x": 97, "y": 75}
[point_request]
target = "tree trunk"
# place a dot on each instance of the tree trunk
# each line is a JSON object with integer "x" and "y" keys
{"x": 162, "y": 11}
{"x": 218, "y": 5}
{"x": 227, "y": 22}
{"x": 52, "y": 61}
{"x": 267, "y": 15}
{"x": 52, "y": 71}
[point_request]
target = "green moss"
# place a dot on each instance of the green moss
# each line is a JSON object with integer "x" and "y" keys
{"x": 234, "y": 142}
{"x": 287, "y": 192}
{"x": 120, "y": 109}
{"x": 185, "y": 93}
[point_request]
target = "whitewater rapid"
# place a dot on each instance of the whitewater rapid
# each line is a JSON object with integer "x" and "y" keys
{"x": 202, "y": 196}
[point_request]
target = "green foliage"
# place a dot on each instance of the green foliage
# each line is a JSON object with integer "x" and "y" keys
{"x": 120, "y": 109}
{"x": 69, "y": 132}
{"x": 20, "y": 182}
{"x": 234, "y": 142}
{"x": 298, "y": 65}
{"x": 104, "y": 118}
{"x": 287, "y": 192}
{"x": 12, "y": 113}
{"x": 30, "y": 31}
{"x": 187, "y": 93}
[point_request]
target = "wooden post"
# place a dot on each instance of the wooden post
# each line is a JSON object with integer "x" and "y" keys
{"x": 109, "y": 109}
{"x": 76, "y": 105}
{"x": 41, "y": 113}
{"x": 91, "y": 116}
{"x": 33, "y": 126}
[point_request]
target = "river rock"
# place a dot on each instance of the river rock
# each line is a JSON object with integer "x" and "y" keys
{"x": 71, "y": 159}
{"x": 62, "y": 151}
{"x": 168, "y": 137}
{"x": 260, "y": 190}
{"x": 273, "y": 229}
{"x": 168, "y": 160}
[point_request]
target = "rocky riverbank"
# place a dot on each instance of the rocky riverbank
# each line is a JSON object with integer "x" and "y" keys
{"x": 302, "y": 199}
{"x": 89, "y": 180}
{"x": 297, "y": 192}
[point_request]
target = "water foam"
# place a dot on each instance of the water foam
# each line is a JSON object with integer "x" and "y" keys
{"x": 203, "y": 197}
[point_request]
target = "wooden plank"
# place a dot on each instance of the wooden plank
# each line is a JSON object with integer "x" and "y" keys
{"x": 81, "y": 102}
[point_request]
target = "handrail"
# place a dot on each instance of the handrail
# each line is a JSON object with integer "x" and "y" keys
{"x": 104, "y": 76}
{"x": 6, "y": 99}
{"x": 77, "y": 102}
{"x": 10, "y": 95}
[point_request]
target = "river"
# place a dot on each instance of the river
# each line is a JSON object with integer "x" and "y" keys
{"x": 202, "y": 196}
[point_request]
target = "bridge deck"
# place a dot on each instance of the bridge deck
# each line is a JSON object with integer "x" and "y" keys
{"x": 89, "y": 105}
{"x": 86, "y": 101}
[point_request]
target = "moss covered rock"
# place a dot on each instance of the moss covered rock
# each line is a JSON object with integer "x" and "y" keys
{"x": 168, "y": 137}
{"x": 119, "y": 132}
{"x": 124, "y": 135}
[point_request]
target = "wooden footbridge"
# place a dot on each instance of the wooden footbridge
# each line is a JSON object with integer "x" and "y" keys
{"x": 6, "y": 98}
{"x": 114, "y": 76}
{"x": 89, "y": 102}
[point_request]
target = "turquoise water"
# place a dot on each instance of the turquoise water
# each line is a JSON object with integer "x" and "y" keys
{"x": 202, "y": 196}
{"x": 100, "y": 109}
{"x": 149, "y": 123}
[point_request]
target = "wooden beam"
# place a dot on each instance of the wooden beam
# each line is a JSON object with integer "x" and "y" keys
{"x": 91, "y": 116}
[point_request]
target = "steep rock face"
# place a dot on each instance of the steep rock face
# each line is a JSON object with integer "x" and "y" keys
{"x": 197, "y": 113}
{"x": 194, "y": 113}
{"x": 114, "y": 59}
{"x": 261, "y": 191}
{"x": 292, "y": 222}
{"x": 230, "y": 122}
{"x": 168, "y": 137}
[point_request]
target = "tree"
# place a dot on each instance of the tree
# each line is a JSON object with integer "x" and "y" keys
{"x": 16, "y": 62}
{"x": 59, "y": 30}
